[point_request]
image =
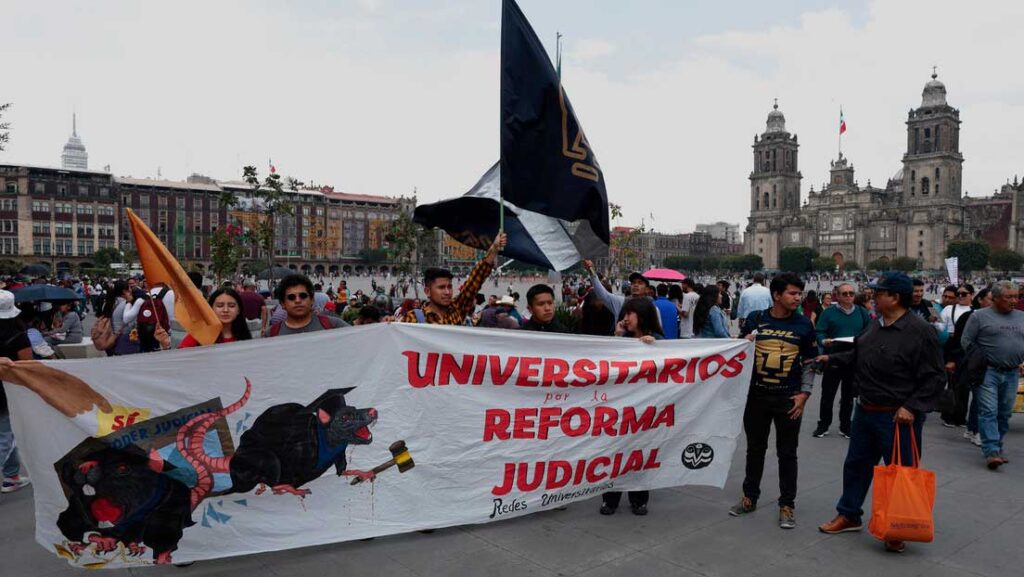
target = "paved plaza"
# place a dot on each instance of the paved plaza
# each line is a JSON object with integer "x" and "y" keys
{"x": 979, "y": 523}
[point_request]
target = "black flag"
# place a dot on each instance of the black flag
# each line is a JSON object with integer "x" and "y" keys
{"x": 547, "y": 165}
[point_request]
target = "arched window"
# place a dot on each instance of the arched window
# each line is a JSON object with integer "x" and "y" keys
{"x": 766, "y": 200}
{"x": 757, "y": 198}
{"x": 925, "y": 185}
{"x": 937, "y": 177}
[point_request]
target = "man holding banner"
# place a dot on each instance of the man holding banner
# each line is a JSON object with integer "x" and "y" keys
{"x": 441, "y": 308}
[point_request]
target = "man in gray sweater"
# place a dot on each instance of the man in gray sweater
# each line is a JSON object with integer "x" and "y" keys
{"x": 998, "y": 333}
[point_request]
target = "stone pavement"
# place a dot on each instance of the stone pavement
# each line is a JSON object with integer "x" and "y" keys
{"x": 979, "y": 520}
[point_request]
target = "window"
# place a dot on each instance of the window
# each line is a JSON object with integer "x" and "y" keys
{"x": 12, "y": 187}
{"x": 9, "y": 245}
{"x": 8, "y": 204}
{"x": 180, "y": 203}
{"x": 920, "y": 233}
{"x": 162, "y": 201}
{"x": 39, "y": 188}
{"x": 62, "y": 190}
{"x": 143, "y": 201}
{"x": 40, "y": 206}
{"x": 83, "y": 190}
{"x": 104, "y": 192}
{"x": 925, "y": 185}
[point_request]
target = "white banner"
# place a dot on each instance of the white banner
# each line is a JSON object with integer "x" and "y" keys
{"x": 234, "y": 449}
{"x": 953, "y": 270}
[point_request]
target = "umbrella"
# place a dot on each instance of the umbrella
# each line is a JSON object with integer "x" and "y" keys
{"x": 43, "y": 293}
{"x": 665, "y": 274}
{"x": 278, "y": 272}
{"x": 37, "y": 269}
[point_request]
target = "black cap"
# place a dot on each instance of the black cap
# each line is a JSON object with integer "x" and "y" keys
{"x": 638, "y": 275}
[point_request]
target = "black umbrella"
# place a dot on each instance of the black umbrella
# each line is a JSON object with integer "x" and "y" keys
{"x": 44, "y": 293}
{"x": 278, "y": 272}
{"x": 37, "y": 269}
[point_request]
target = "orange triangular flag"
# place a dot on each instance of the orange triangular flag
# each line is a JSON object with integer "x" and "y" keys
{"x": 190, "y": 308}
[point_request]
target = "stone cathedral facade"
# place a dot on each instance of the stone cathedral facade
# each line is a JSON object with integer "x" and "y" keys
{"x": 918, "y": 212}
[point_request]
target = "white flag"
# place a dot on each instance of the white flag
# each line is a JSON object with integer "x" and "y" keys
{"x": 952, "y": 269}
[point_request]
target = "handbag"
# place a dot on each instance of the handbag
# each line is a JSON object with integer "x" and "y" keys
{"x": 903, "y": 498}
{"x": 124, "y": 344}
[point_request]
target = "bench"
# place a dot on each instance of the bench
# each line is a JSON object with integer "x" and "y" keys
{"x": 82, "y": 350}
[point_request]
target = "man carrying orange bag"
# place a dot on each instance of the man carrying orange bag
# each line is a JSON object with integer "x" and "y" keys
{"x": 898, "y": 372}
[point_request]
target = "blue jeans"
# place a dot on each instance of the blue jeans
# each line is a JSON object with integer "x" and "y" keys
{"x": 996, "y": 396}
{"x": 8, "y": 452}
{"x": 871, "y": 439}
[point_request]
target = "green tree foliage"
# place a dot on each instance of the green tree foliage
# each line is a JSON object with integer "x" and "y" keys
{"x": 797, "y": 259}
{"x": 401, "y": 237}
{"x": 1006, "y": 260}
{"x": 824, "y": 264}
{"x": 972, "y": 254}
{"x": 104, "y": 257}
{"x": 10, "y": 267}
{"x": 269, "y": 200}
{"x": 733, "y": 263}
{"x": 850, "y": 265}
{"x": 5, "y": 127}
{"x": 226, "y": 247}
{"x": 373, "y": 255}
{"x": 904, "y": 264}
{"x": 880, "y": 264}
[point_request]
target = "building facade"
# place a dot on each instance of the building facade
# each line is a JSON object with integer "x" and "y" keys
{"x": 918, "y": 212}
{"x": 727, "y": 231}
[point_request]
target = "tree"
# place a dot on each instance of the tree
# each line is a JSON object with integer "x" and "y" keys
{"x": 824, "y": 264}
{"x": 904, "y": 264}
{"x": 373, "y": 255}
{"x": 625, "y": 250}
{"x": 850, "y": 266}
{"x": 880, "y": 264}
{"x": 401, "y": 237}
{"x": 1006, "y": 260}
{"x": 10, "y": 267}
{"x": 972, "y": 254}
{"x": 5, "y": 127}
{"x": 797, "y": 259}
{"x": 269, "y": 201}
{"x": 226, "y": 246}
{"x": 104, "y": 257}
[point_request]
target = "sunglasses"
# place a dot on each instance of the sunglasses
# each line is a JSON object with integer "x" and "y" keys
{"x": 847, "y": 294}
{"x": 963, "y": 294}
{"x": 297, "y": 296}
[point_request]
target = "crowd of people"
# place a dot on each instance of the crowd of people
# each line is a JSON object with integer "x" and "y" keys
{"x": 890, "y": 354}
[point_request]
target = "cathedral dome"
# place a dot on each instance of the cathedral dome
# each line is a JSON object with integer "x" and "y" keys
{"x": 776, "y": 120}
{"x": 934, "y": 92}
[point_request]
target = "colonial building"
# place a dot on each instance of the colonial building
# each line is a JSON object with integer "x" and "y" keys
{"x": 920, "y": 210}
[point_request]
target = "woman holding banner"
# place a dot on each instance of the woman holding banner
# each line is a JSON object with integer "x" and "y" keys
{"x": 640, "y": 320}
{"x": 227, "y": 305}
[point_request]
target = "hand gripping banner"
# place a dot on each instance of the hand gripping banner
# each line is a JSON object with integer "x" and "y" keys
{"x": 339, "y": 435}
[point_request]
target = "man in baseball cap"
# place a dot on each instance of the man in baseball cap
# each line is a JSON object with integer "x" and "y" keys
{"x": 638, "y": 285}
{"x": 898, "y": 368}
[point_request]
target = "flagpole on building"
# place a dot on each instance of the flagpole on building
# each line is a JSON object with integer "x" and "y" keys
{"x": 840, "y": 132}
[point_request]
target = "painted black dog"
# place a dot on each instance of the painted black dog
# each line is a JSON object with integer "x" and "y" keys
{"x": 121, "y": 495}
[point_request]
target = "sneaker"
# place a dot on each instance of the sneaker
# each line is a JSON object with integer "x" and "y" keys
{"x": 994, "y": 462}
{"x": 969, "y": 435}
{"x": 976, "y": 439}
{"x": 746, "y": 505}
{"x": 787, "y": 518}
{"x": 640, "y": 510}
{"x": 840, "y": 525}
{"x": 12, "y": 484}
{"x": 820, "y": 432}
{"x": 895, "y": 546}
{"x": 844, "y": 434}
{"x": 947, "y": 424}
{"x": 606, "y": 510}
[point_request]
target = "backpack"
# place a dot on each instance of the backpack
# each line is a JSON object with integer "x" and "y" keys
{"x": 103, "y": 337}
{"x": 152, "y": 312}
{"x": 325, "y": 322}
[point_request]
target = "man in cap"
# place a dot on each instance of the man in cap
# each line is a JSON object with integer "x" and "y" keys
{"x": 898, "y": 368}
{"x": 638, "y": 286}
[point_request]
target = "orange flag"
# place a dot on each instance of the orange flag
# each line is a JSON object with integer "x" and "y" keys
{"x": 190, "y": 308}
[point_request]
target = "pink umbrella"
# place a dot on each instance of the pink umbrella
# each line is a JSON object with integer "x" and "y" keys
{"x": 665, "y": 274}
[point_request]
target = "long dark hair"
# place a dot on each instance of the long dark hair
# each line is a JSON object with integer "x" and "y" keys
{"x": 595, "y": 320}
{"x": 708, "y": 299}
{"x": 648, "y": 319}
{"x": 239, "y": 326}
{"x": 110, "y": 299}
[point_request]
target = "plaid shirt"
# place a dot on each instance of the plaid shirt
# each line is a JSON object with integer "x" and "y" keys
{"x": 462, "y": 305}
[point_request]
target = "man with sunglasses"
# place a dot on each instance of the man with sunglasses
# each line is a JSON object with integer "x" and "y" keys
{"x": 835, "y": 325}
{"x": 899, "y": 373}
{"x": 295, "y": 293}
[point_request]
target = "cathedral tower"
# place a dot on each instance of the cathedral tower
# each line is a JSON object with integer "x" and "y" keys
{"x": 774, "y": 187}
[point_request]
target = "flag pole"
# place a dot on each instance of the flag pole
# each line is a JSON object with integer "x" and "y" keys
{"x": 840, "y": 131}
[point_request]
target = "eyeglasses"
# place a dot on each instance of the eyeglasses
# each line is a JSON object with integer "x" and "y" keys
{"x": 297, "y": 296}
{"x": 847, "y": 294}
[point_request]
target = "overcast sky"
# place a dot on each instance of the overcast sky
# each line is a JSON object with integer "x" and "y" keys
{"x": 381, "y": 96}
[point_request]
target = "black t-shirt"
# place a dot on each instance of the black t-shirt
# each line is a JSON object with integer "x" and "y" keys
{"x": 12, "y": 340}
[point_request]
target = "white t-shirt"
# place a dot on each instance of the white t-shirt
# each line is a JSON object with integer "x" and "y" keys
{"x": 686, "y": 322}
{"x": 950, "y": 315}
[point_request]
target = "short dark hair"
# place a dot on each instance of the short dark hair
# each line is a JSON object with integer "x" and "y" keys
{"x": 662, "y": 290}
{"x": 369, "y": 313}
{"x": 724, "y": 284}
{"x": 783, "y": 280}
{"x": 293, "y": 280}
{"x": 318, "y": 287}
{"x": 759, "y": 278}
{"x": 689, "y": 282}
{"x": 432, "y": 274}
{"x": 537, "y": 290}
{"x": 918, "y": 282}
{"x": 950, "y": 289}
{"x": 480, "y": 298}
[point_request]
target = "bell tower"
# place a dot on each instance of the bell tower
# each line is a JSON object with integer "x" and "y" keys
{"x": 774, "y": 187}
{"x": 932, "y": 166}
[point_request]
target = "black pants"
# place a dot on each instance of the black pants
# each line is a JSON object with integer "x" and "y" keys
{"x": 636, "y": 498}
{"x": 962, "y": 394}
{"x": 841, "y": 379}
{"x": 760, "y": 414}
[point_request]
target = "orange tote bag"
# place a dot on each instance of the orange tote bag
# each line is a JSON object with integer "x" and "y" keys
{"x": 903, "y": 498}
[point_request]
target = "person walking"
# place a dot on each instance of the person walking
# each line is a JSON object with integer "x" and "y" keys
{"x": 998, "y": 333}
{"x": 897, "y": 364}
{"x": 14, "y": 346}
{"x": 755, "y": 297}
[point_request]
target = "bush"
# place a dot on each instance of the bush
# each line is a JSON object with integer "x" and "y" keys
{"x": 797, "y": 259}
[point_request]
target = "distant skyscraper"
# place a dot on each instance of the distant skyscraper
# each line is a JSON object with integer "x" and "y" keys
{"x": 75, "y": 157}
